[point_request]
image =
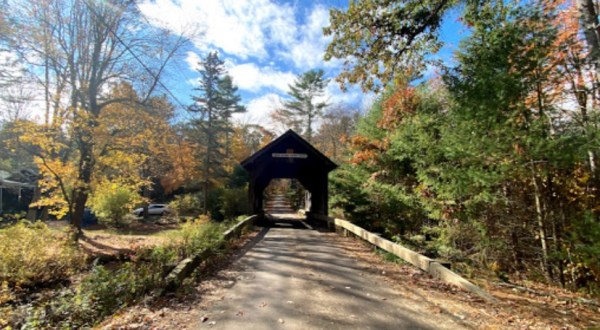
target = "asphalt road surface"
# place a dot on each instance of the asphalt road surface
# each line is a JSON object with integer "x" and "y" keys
{"x": 297, "y": 278}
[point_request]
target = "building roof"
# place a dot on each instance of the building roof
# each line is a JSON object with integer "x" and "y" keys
{"x": 14, "y": 184}
{"x": 280, "y": 144}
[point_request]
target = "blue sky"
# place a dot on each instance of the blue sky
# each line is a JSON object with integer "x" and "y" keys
{"x": 265, "y": 44}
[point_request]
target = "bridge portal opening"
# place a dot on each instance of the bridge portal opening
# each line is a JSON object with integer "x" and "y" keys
{"x": 285, "y": 195}
{"x": 289, "y": 157}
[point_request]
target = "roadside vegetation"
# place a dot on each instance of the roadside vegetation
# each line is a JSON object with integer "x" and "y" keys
{"x": 88, "y": 291}
{"x": 491, "y": 164}
{"x": 33, "y": 254}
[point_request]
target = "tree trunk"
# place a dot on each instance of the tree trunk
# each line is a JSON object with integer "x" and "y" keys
{"x": 79, "y": 201}
{"x": 207, "y": 166}
{"x": 541, "y": 228}
{"x": 81, "y": 193}
{"x": 33, "y": 211}
{"x": 589, "y": 20}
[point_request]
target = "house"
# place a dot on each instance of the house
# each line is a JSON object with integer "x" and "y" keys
{"x": 16, "y": 191}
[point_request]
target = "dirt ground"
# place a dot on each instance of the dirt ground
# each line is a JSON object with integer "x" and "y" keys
{"x": 117, "y": 243}
{"x": 289, "y": 277}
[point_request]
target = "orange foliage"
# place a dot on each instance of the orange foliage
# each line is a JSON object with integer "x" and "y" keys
{"x": 183, "y": 166}
{"x": 367, "y": 150}
{"x": 562, "y": 75}
{"x": 402, "y": 102}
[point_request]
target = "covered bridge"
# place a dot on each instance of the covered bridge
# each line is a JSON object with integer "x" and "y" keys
{"x": 289, "y": 157}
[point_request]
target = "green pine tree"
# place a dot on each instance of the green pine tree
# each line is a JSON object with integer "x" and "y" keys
{"x": 301, "y": 112}
{"x": 216, "y": 101}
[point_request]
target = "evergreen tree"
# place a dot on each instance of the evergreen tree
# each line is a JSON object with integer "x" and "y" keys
{"x": 216, "y": 101}
{"x": 488, "y": 164}
{"x": 303, "y": 109}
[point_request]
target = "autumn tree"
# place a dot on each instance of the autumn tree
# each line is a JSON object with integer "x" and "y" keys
{"x": 134, "y": 145}
{"x": 248, "y": 139}
{"x": 380, "y": 40}
{"x": 336, "y": 128}
{"x": 306, "y": 104}
{"x": 77, "y": 49}
{"x": 138, "y": 136}
{"x": 216, "y": 101}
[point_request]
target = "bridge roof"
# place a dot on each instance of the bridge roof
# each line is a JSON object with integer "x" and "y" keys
{"x": 294, "y": 145}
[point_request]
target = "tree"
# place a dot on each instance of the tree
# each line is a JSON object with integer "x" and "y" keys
{"x": 336, "y": 129}
{"x": 380, "y": 40}
{"x": 491, "y": 164}
{"x": 78, "y": 49}
{"x": 216, "y": 101}
{"x": 246, "y": 140}
{"x": 588, "y": 10}
{"x": 305, "y": 106}
{"x": 133, "y": 147}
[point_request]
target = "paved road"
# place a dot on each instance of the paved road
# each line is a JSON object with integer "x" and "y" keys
{"x": 297, "y": 278}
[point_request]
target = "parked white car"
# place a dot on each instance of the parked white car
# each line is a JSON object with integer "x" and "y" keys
{"x": 153, "y": 209}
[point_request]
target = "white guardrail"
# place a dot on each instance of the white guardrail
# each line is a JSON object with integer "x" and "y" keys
{"x": 431, "y": 266}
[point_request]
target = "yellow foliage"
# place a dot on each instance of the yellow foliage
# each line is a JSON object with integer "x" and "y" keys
{"x": 58, "y": 173}
{"x": 112, "y": 200}
{"x": 129, "y": 143}
{"x": 31, "y": 254}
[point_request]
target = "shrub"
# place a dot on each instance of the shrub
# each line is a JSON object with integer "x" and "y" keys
{"x": 100, "y": 294}
{"x": 33, "y": 253}
{"x": 188, "y": 204}
{"x": 198, "y": 235}
{"x": 104, "y": 291}
{"x": 215, "y": 204}
{"x": 235, "y": 203}
{"x": 9, "y": 219}
{"x": 111, "y": 201}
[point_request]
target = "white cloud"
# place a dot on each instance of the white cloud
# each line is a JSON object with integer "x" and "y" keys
{"x": 250, "y": 77}
{"x": 193, "y": 61}
{"x": 238, "y": 27}
{"x": 259, "y": 110}
{"x": 308, "y": 50}
{"x": 247, "y": 28}
{"x": 336, "y": 96}
{"x": 264, "y": 44}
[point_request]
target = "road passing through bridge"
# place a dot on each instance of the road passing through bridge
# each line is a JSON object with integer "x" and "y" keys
{"x": 299, "y": 278}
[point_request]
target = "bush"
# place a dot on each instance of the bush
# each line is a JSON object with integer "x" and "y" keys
{"x": 215, "y": 204}
{"x": 198, "y": 235}
{"x": 104, "y": 291}
{"x": 8, "y": 219}
{"x": 32, "y": 253}
{"x": 188, "y": 204}
{"x": 235, "y": 203}
{"x": 100, "y": 294}
{"x": 111, "y": 202}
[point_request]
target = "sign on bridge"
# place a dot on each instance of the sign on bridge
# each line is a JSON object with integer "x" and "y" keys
{"x": 289, "y": 155}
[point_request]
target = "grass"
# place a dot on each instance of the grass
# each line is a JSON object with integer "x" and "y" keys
{"x": 103, "y": 290}
{"x": 32, "y": 254}
{"x": 390, "y": 257}
{"x": 131, "y": 232}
